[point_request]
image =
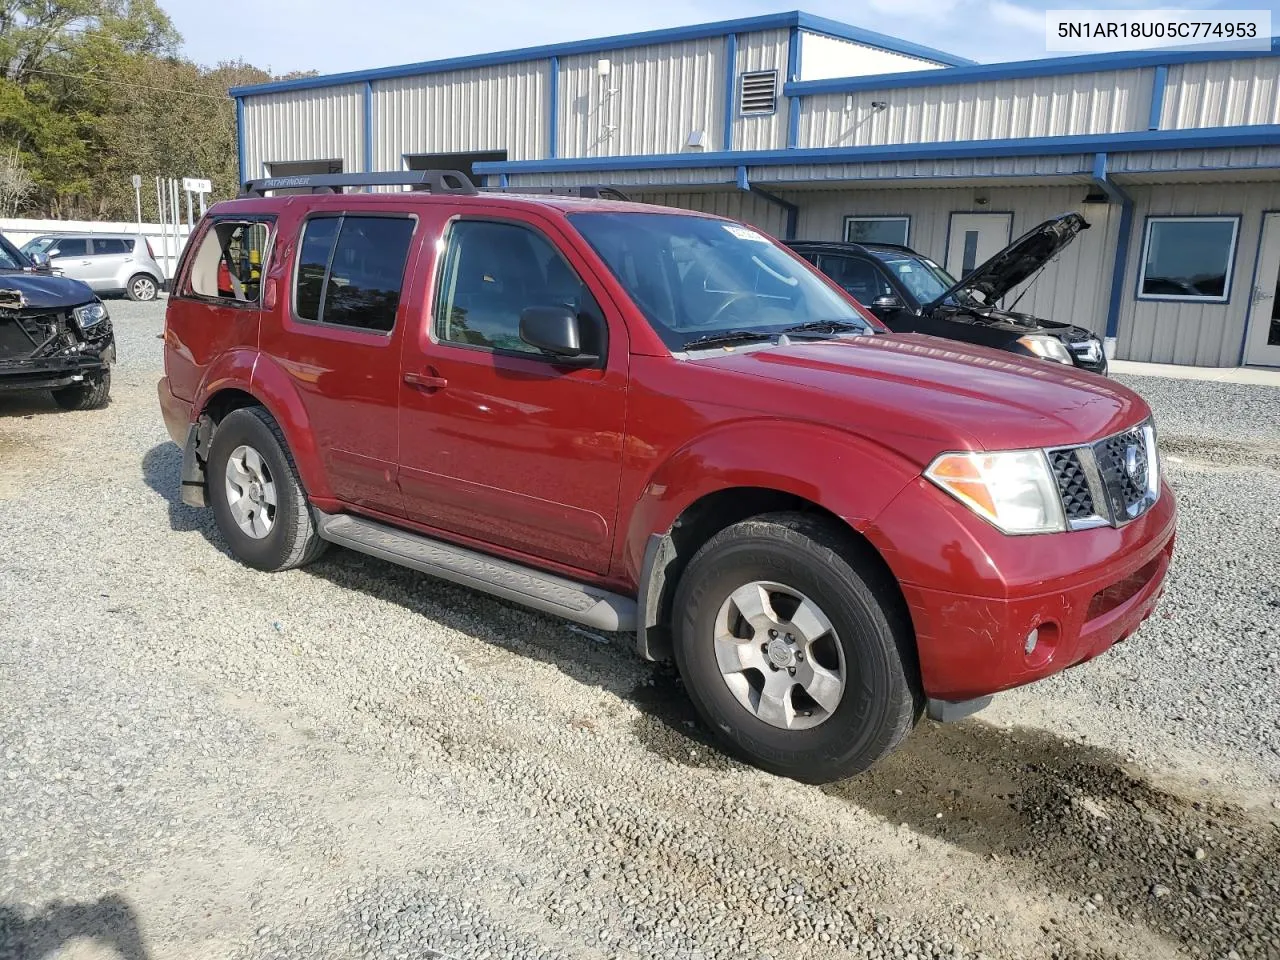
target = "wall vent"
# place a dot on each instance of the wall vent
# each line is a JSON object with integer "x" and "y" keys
{"x": 758, "y": 93}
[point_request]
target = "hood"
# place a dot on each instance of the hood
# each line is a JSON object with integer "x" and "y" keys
{"x": 954, "y": 394}
{"x": 1018, "y": 261}
{"x": 40, "y": 291}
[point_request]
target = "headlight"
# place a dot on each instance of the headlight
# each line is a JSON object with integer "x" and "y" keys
{"x": 1013, "y": 490}
{"x": 90, "y": 315}
{"x": 1050, "y": 348}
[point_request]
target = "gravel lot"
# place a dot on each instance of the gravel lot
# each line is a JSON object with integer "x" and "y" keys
{"x": 198, "y": 760}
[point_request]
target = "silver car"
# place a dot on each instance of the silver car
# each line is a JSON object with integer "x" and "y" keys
{"x": 107, "y": 262}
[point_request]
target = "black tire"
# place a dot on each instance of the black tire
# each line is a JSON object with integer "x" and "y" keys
{"x": 91, "y": 394}
{"x": 292, "y": 540}
{"x": 142, "y": 287}
{"x": 881, "y": 701}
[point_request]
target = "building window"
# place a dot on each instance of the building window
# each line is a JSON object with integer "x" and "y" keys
{"x": 758, "y": 93}
{"x": 877, "y": 229}
{"x": 1188, "y": 258}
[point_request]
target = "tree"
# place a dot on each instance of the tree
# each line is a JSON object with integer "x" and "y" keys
{"x": 15, "y": 183}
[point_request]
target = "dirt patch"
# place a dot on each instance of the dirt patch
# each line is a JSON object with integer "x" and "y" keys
{"x": 1216, "y": 454}
{"x": 1078, "y": 820}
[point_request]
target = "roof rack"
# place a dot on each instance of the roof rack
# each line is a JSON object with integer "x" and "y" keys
{"x": 434, "y": 181}
{"x": 592, "y": 193}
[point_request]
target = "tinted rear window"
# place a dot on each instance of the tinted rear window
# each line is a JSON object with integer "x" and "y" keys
{"x": 104, "y": 246}
{"x": 355, "y": 281}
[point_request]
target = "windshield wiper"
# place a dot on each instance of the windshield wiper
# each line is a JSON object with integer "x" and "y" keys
{"x": 827, "y": 327}
{"x": 729, "y": 336}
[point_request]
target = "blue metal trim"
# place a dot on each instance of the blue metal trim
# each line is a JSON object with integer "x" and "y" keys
{"x": 740, "y": 178}
{"x": 368, "y": 127}
{"x": 1017, "y": 69}
{"x": 240, "y": 162}
{"x": 843, "y": 31}
{"x": 1118, "y": 195}
{"x": 553, "y": 114}
{"x": 697, "y": 31}
{"x": 730, "y": 87}
{"x": 793, "y": 103}
{"x": 1191, "y": 139}
{"x": 1231, "y": 263}
{"x": 1158, "y": 83}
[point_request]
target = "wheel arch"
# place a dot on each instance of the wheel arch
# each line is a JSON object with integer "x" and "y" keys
{"x": 667, "y": 555}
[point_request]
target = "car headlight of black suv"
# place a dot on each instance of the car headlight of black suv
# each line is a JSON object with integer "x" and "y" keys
{"x": 90, "y": 316}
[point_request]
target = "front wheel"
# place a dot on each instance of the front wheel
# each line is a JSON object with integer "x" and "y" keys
{"x": 258, "y": 500}
{"x": 92, "y": 393}
{"x": 796, "y": 649}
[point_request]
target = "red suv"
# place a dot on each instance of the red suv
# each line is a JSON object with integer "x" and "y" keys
{"x": 658, "y": 421}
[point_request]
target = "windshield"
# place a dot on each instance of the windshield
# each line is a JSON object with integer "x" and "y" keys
{"x": 695, "y": 278}
{"x": 10, "y": 258}
{"x": 38, "y": 245}
{"x": 924, "y": 279}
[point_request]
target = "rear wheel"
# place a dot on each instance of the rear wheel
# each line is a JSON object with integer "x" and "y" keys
{"x": 258, "y": 500}
{"x": 796, "y": 649}
{"x": 90, "y": 394}
{"x": 142, "y": 286}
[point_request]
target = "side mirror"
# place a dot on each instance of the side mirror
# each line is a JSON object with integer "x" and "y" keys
{"x": 41, "y": 262}
{"x": 554, "y": 330}
{"x": 887, "y": 303}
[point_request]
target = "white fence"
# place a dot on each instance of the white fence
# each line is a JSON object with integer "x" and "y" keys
{"x": 164, "y": 245}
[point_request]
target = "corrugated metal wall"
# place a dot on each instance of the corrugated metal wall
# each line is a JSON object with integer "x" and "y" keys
{"x": 1206, "y": 334}
{"x": 487, "y": 108}
{"x": 1077, "y": 166}
{"x": 661, "y": 94}
{"x": 1117, "y": 100}
{"x": 626, "y": 178}
{"x": 1223, "y": 93}
{"x": 1197, "y": 163}
{"x": 1073, "y": 289}
{"x": 762, "y": 51}
{"x": 321, "y": 124}
{"x": 737, "y": 204}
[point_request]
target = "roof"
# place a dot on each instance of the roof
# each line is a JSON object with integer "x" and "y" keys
{"x": 565, "y": 205}
{"x": 796, "y": 19}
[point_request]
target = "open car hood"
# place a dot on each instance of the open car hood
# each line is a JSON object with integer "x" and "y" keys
{"x": 1018, "y": 261}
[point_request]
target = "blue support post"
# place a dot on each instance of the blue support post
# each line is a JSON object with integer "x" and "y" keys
{"x": 553, "y": 116}
{"x": 793, "y": 76}
{"x": 730, "y": 87}
{"x": 240, "y": 142}
{"x": 1117, "y": 195}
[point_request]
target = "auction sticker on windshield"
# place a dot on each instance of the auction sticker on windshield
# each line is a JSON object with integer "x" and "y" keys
{"x": 742, "y": 233}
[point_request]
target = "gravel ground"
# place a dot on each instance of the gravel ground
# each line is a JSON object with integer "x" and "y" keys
{"x": 198, "y": 760}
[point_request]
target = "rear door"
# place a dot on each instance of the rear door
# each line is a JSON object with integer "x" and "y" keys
{"x": 111, "y": 258}
{"x": 73, "y": 256}
{"x": 498, "y": 442}
{"x": 339, "y": 340}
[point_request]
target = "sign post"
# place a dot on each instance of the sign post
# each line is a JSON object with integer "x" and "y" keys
{"x": 136, "y": 180}
{"x": 197, "y": 186}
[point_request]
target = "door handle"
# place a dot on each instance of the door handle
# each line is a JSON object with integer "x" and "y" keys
{"x": 425, "y": 381}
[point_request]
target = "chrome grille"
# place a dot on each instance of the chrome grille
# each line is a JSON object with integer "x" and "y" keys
{"x": 1112, "y": 481}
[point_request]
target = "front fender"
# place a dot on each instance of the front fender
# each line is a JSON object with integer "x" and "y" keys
{"x": 851, "y": 476}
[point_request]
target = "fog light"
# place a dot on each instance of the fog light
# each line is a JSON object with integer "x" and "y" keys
{"x": 1032, "y": 639}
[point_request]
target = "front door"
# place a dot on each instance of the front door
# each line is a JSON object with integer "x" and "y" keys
{"x": 500, "y": 443}
{"x": 73, "y": 257}
{"x": 1262, "y": 344}
{"x": 975, "y": 238}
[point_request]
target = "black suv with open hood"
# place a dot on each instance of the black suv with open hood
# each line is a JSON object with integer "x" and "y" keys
{"x": 55, "y": 334}
{"x": 912, "y": 294}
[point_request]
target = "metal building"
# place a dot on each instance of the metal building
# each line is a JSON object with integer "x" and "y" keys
{"x": 811, "y": 128}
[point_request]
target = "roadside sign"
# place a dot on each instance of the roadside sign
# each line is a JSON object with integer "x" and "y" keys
{"x": 136, "y": 181}
{"x": 196, "y": 186}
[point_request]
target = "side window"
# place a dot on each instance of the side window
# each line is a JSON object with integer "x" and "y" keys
{"x": 492, "y": 272}
{"x": 351, "y": 270}
{"x": 69, "y": 247}
{"x": 109, "y": 245}
{"x": 859, "y": 277}
{"x": 228, "y": 263}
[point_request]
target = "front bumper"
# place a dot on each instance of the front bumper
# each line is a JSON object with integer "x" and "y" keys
{"x": 975, "y": 594}
{"x": 62, "y": 370}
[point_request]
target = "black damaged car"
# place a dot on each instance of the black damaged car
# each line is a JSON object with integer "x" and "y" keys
{"x": 55, "y": 334}
{"x": 910, "y": 293}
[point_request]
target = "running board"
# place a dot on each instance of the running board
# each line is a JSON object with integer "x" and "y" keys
{"x": 590, "y": 606}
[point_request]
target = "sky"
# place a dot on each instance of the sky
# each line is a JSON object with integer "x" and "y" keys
{"x": 337, "y": 35}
